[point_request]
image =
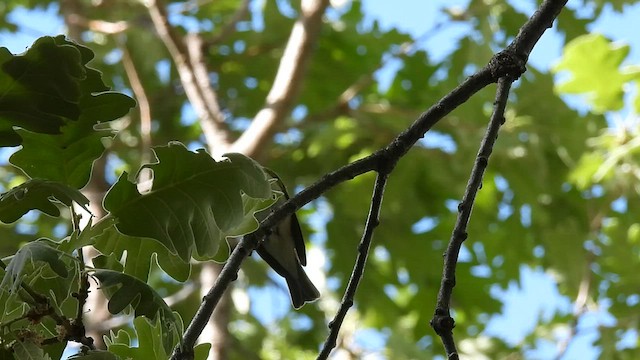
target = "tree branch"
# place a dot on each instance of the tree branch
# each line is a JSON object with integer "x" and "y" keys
{"x": 142, "y": 100}
{"x": 216, "y": 331}
{"x": 101, "y": 26}
{"x": 386, "y": 157}
{"x": 579, "y": 305}
{"x": 506, "y": 65}
{"x": 383, "y": 158}
{"x": 442, "y": 321}
{"x": 286, "y": 85}
{"x": 229, "y": 273}
{"x": 533, "y": 29}
{"x": 230, "y": 27}
{"x": 187, "y": 56}
{"x": 373, "y": 220}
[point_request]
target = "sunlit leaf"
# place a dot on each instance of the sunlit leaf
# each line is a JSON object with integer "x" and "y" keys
{"x": 594, "y": 54}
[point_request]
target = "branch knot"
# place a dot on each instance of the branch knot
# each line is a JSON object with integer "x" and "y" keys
{"x": 508, "y": 64}
{"x": 443, "y": 325}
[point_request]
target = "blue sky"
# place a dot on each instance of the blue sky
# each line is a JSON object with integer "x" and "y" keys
{"x": 536, "y": 296}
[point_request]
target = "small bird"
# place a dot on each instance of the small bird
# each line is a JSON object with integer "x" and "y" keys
{"x": 284, "y": 251}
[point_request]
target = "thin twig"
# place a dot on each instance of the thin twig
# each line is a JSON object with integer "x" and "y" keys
{"x": 533, "y": 29}
{"x": 373, "y": 220}
{"x": 507, "y": 65}
{"x": 231, "y": 26}
{"x": 442, "y": 321}
{"x": 41, "y": 307}
{"x": 142, "y": 100}
{"x": 77, "y": 331}
{"x": 579, "y": 305}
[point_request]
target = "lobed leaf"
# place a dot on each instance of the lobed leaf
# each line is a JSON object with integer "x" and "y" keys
{"x": 40, "y": 89}
{"x": 194, "y": 203}
{"x": 37, "y": 194}
{"x": 124, "y": 290}
{"x": 29, "y": 350}
{"x": 68, "y": 156}
{"x": 140, "y": 253}
{"x": 594, "y": 54}
{"x": 40, "y": 251}
{"x": 149, "y": 335}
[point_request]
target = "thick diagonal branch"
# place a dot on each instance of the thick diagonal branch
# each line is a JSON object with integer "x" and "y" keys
{"x": 187, "y": 56}
{"x": 288, "y": 80}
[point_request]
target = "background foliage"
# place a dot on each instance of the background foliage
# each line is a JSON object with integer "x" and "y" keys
{"x": 560, "y": 194}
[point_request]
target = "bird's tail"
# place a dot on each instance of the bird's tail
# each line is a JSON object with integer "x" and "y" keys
{"x": 302, "y": 289}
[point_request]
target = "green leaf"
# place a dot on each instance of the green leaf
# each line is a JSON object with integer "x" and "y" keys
{"x": 11, "y": 305}
{"x": 201, "y": 351}
{"x": 28, "y": 350}
{"x": 252, "y": 206}
{"x": 583, "y": 174}
{"x": 40, "y": 250}
{"x": 194, "y": 203}
{"x": 636, "y": 100}
{"x": 87, "y": 236}
{"x": 40, "y": 89}
{"x": 140, "y": 253}
{"x": 49, "y": 85}
{"x": 121, "y": 337}
{"x": 151, "y": 338}
{"x": 124, "y": 290}
{"x": 68, "y": 156}
{"x": 50, "y": 157}
{"x": 594, "y": 54}
{"x": 39, "y": 195}
{"x": 250, "y": 222}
